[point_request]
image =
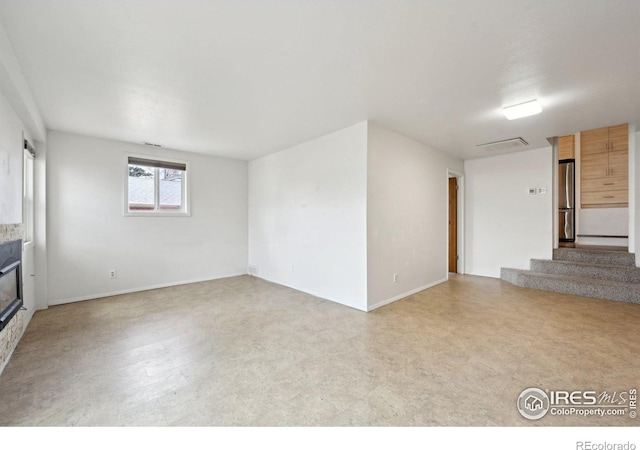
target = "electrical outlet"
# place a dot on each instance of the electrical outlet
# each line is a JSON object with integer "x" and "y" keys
{"x": 532, "y": 191}
{"x": 113, "y": 273}
{"x": 542, "y": 190}
{"x": 395, "y": 277}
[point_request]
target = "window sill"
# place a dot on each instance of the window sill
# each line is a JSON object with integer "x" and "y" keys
{"x": 156, "y": 214}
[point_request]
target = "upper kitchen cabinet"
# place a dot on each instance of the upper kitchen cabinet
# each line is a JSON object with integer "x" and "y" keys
{"x": 604, "y": 167}
{"x": 566, "y": 147}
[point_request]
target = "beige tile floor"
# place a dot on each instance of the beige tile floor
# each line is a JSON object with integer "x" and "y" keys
{"x": 242, "y": 351}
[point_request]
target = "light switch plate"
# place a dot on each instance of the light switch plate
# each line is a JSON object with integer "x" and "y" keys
{"x": 532, "y": 191}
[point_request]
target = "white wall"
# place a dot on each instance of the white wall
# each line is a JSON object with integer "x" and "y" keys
{"x": 16, "y": 90}
{"x": 603, "y": 221}
{"x": 505, "y": 226}
{"x": 307, "y": 216}
{"x": 18, "y": 114}
{"x": 10, "y": 164}
{"x": 11, "y": 161}
{"x": 19, "y": 118}
{"x": 407, "y": 206}
{"x": 88, "y": 233}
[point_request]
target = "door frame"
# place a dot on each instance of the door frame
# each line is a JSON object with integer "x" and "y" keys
{"x": 459, "y": 176}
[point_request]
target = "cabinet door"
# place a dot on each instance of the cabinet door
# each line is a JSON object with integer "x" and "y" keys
{"x": 605, "y": 184}
{"x": 594, "y": 141}
{"x": 619, "y": 138}
{"x": 594, "y": 165}
{"x": 618, "y": 163}
{"x": 566, "y": 145}
{"x": 608, "y": 199}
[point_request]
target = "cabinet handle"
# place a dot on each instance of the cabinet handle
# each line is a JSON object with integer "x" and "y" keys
{"x": 608, "y": 184}
{"x": 608, "y": 196}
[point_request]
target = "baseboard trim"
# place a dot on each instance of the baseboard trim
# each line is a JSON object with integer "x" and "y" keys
{"x": 405, "y": 295}
{"x": 141, "y": 289}
{"x": 315, "y": 294}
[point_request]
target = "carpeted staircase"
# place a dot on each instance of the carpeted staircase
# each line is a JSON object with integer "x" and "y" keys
{"x": 610, "y": 275}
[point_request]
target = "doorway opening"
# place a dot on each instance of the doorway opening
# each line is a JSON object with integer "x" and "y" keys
{"x": 455, "y": 223}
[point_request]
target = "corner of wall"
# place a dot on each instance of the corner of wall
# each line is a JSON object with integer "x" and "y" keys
{"x": 406, "y": 215}
{"x": 309, "y": 202}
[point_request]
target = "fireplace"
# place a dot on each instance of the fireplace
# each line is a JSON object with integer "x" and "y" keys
{"x": 10, "y": 280}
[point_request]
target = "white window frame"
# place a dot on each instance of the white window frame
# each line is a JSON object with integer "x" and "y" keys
{"x": 28, "y": 192}
{"x": 185, "y": 211}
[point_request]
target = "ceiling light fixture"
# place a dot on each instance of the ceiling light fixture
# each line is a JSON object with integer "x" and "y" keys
{"x": 522, "y": 110}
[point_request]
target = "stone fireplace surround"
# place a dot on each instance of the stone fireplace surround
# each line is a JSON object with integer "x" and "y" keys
{"x": 11, "y": 333}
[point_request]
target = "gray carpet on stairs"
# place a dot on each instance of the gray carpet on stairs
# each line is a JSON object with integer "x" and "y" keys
{"x": 594, "y": 256}
{"x": 609, "y": 275}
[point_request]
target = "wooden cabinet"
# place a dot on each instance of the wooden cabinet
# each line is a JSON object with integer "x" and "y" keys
{"x": 566, "y": 147}
{"x": 601, "y": 199}
{"x": 604, "y": 167}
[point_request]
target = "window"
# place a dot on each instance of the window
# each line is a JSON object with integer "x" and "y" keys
{"x": 27, "y": 194}
{"x": 156, "y": 187}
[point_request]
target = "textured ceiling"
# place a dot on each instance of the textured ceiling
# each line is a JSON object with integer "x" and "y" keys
{"x": 246, "y": 78}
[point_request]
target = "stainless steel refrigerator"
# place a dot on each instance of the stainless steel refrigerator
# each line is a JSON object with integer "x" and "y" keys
{"x": 566, "y": 200}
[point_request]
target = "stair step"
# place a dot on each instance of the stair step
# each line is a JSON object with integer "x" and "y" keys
{"x": 605, "y": 257}
{"x": 625, "y": 274}
{"x": 588, "y": 287}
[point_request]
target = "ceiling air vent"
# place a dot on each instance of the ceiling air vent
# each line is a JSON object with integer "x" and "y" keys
{"x": 151, "y": 144}
{"x": 507, "y": 144}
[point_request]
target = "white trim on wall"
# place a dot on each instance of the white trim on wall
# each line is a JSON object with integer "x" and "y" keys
{"x": 406, "y": 294}
{"x": 310, "y": 292}
{"x": 140, "y": 289}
